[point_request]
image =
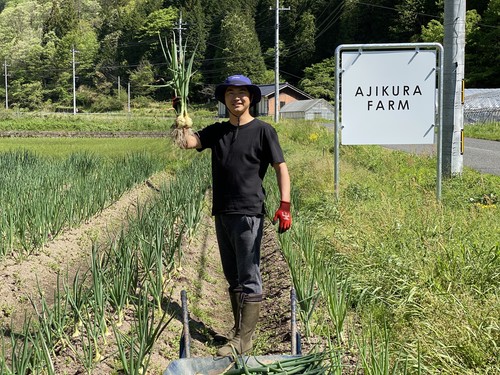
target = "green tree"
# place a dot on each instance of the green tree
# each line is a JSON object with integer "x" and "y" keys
{"x": 196, "y": 29}
{"x": 160, "y": 22}
{"x": 410, "y": 16}
{"x": 141, "y": 79}
{"x": 303, "y": 40}
{"x": 62, "y": 19}
{"x": 26, "y": 95}
{"x": 131, "y": 19}
{"x": 297, "y": 36}
{"x": 434, "y": 30}
{"x": 240, "y": 49}
{"x": 83, "y": 40}
{"x": 483, "y": 57}
{"x": 21, "y": 25}
{"x": 319, "y": 80}
{"x": 475, "y": 66}
{"x": 366, "y": 22}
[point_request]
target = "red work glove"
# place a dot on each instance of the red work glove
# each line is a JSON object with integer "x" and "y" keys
{"x": 284, "y": 216}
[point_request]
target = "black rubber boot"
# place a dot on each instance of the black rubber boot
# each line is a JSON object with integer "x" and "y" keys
{"x": 242, "y": 341}
{"x": 235, "y": 298}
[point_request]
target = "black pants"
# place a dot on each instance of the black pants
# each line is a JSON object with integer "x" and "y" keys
{"x": 239, "y": 238}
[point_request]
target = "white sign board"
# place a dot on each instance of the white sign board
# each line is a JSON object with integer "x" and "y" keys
{"x": 388, "y": 97}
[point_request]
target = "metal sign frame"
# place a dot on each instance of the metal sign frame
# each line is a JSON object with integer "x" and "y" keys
{"x": 389, "y": 47}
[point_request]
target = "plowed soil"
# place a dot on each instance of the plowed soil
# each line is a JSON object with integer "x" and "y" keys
{"x": 200, "y": 276}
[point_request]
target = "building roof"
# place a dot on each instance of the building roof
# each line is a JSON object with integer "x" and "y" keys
{"x": 304, "y": 105}
{"x": 268, "y": 90}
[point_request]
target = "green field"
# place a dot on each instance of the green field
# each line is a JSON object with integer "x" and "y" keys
{"x": 106, "y": 147}
{"x": 489, "y": 131}
{"x": 406, "y": 283}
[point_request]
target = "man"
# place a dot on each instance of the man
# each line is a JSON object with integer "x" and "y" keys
{"x": 242, "y": 149}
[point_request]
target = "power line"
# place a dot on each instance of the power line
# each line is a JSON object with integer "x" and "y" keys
{"x": 440, "y": 17}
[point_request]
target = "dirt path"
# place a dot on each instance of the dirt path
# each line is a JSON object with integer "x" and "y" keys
{"x": 200, "y": 276}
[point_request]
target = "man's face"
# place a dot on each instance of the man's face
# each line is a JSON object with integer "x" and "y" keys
{"x": 237, "y": 99}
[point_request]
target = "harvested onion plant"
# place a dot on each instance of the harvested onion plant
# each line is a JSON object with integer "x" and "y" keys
{"x": 309, "y": 364}
{"x": 181, "y": 72}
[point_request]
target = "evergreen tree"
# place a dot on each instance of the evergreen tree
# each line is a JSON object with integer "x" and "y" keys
{"x": 62, "y": 19}
{"x": 197, "y": 31}
{"x": 363, "y": 22}
{"x": 141, "y": 79}
{"x": 240, "y": 49}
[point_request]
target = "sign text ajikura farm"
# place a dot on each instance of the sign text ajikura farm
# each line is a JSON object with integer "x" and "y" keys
{"x": 377, "y": 97}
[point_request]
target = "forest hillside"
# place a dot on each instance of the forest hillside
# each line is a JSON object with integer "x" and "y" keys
{"x": 109, "y": 46}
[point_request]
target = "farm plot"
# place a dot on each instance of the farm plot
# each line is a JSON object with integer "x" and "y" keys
{"x": 393, "y": 280}
{"x": 40, "y": 197}
{"x": 107, "y": 319}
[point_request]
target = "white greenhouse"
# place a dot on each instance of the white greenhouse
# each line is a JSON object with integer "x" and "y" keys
{"x": 481, "y": 105}
{"x": 308, "y": 110}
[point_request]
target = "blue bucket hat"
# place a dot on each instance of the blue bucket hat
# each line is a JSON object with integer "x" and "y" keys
{"x": 238, "y": 80}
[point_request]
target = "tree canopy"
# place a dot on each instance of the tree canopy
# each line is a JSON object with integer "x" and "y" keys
{"x": 117, "y": 40}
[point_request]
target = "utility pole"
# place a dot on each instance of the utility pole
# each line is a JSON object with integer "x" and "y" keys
{"x": 453, "y": 87}
{"x": 179, "y": 29}
{"x": 6, "y": 85}
{"x": 277, "y": 62}
{"x": 74, "y": 79}
{"x": 128, "y": 97}
{"x": 119, "y": 87}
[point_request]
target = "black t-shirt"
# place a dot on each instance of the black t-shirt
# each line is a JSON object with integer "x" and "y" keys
{"x": 240, "y": 158}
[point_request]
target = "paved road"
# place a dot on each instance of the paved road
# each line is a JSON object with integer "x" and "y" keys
{"x": 483, "y": 156}
{"x": 479, "y": 154}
